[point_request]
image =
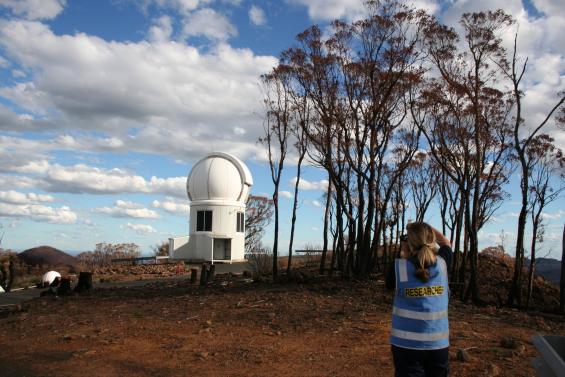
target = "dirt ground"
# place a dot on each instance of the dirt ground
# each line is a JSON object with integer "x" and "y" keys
{"x": 325, "y": 328}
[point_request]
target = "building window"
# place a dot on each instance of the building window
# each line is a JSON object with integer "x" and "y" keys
{"x": 204, "y": 221}
{"x": 240, "y": 222}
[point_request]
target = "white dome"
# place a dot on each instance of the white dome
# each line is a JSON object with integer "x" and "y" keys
{"x": 219, "y": 176}
{"x": 50, "y": 276}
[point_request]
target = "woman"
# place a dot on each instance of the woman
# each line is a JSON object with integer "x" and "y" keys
{"x": 420, "y": 329}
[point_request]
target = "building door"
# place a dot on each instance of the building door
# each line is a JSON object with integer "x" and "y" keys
{"x": 222, "y": 249}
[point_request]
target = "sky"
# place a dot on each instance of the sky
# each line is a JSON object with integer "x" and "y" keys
{"x": 106, "y": 105}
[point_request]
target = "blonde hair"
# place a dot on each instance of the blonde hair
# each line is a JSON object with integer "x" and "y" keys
{"x": 421, "y": 242}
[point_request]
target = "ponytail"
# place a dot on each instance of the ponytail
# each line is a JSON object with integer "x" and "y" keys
{"x": 421, "y": 239}
{"x": 426, "y": 257}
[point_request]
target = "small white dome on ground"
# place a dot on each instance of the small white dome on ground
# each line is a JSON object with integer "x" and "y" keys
{"x": 219, "y": 176}
{"x": 49, "y": 277}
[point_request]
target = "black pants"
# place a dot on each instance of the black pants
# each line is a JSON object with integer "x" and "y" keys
{"x": 420, "y": 363}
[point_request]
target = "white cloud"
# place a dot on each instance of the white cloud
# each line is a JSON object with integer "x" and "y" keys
{"x": 86, "y": 179}
{"x": 257, "y": 16}
{"x": 16, "y": 197}
{"x": 89, "y": 223}
{"x": 208, "y": 23}
{"x": 173, "y": 206}
{"x": 17, "y": 182}
{"x": 18, "y": 73}
{"x": 142, "y": 97}
{"x": 4, "y": 63}
{"x": 34, "y": 9}
{"x": 553, "y": 216}
{"x": 161, "y": 30}
{"x": 495, "y": 238}
{"x": 307, "y": 185}
{"x": 127, "y": 209}
{"x": 139, "y": 228}
{"x": 285, "y": 194}
{"x": 182, "y": 7}
{"x": 29, "y": 206}
{"x": 26, "y": 158}
{"x": 332, "y": 9}
{"x": 430, "y": 6}
{"x": 39, "y": 213}
{"x": 28, "y": 96}
{"x": 550, "y": 7}
{"x": 315, "y": 203}
{"x": 14, "y": 223}
{"x": 239, "y": 131}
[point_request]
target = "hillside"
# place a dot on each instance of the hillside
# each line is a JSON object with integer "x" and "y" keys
{"x": 549, "y": 268}
{"x": 47, "y": 255}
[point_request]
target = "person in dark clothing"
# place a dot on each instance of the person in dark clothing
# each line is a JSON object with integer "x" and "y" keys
{"x": 420, "y": 328}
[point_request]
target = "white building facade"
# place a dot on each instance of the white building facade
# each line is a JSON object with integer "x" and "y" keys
{"x": 218, "y": 187}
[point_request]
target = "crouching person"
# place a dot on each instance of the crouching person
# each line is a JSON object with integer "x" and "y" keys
{"x": 420, "y": 329}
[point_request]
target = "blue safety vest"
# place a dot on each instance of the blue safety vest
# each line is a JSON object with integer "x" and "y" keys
{"x": 419, "y": 314}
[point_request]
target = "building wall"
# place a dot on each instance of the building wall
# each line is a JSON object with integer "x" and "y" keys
{"x": 224, "y": 225}
{"x": 224, "y": 218}
{"x": 179, "y": 247}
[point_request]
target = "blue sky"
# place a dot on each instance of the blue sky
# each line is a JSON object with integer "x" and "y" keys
{"x": 105, "y": 105}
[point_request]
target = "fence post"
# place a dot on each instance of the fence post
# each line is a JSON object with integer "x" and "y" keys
{"x": 203, "y": 273}
{"x": 210, "y": 275}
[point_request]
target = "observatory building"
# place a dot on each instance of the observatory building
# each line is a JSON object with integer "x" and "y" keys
{"x": 218, "y": 187}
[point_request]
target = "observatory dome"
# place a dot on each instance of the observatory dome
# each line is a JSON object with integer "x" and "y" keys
{"x": 49, "y": 277}
{"x": 219, "y": 176}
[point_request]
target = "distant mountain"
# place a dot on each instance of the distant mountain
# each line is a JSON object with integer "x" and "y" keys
{"x": 549, "y": 268}
{"x": 47, "y": 255}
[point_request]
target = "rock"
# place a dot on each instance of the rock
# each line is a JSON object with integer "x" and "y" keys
{"x": 463, "y": 355}
{"x": 209, "y": 322}
{"x": 520, "y": 349}
{"x": 509, "y": 343}
{"x": 202, "y": 355}
{"x": 492, "y": 371}
{"x": 542, "y": 325}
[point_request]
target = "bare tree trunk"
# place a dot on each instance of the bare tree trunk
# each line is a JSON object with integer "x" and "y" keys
{"x": 458, "y": 257}
{"x": 385, "y": 249}
{"x": 473, "y": 288}
{"x": 562, "y": 281}
{"x": 515, "y": 293}
{"x": 276, "y": 236}
{"x": 334, "y": 253}
{"x": 326, "y": 221}
{"x": 532, "y": 265}
{"x": 464, "y": 257}
{"x": 294, "y": 206}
